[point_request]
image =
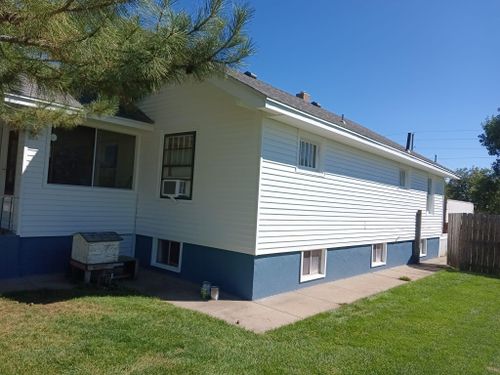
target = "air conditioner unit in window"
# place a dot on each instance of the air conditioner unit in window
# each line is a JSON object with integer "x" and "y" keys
{"x": 173, "y": 188}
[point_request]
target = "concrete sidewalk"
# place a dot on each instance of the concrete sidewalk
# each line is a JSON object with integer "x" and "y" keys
{"x": 282, "y": 309}
{"x": 260, "y": 315}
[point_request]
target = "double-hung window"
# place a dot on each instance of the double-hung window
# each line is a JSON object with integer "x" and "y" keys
{"x": 403, "y": 178}
{"x": 168, "y": 255}
{"x": 379, "y": 254}
{"x": 313, "y": 264}
{"x": 91, "y": 157}
{"x": 430, "y": 197}
{"x": 308, "y": 154}
{"x": 178, "y": 165}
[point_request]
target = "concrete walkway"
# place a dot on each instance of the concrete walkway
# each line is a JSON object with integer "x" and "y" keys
{"x": 282, "y": 309}
{"x": 260, "y": 315}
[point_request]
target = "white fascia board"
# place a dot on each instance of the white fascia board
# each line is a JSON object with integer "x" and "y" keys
{"x": 27, "y": 101}
{"x": 115, "y": 120}
{"x": 327, "y": 129}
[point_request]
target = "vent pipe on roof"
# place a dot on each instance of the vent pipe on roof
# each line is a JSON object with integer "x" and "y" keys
{"x": 435, "y": 158}
{"x": 250, "y": 74}
{"x": 409, "y": 141}
{"x": 304, "y": 96}
{"x": 343, "y": 121}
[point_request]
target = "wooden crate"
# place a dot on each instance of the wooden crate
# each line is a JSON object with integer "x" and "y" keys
{"x": 96, "y": 247}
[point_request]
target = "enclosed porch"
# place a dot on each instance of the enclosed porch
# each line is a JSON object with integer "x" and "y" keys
{"x": 10, "y": 161}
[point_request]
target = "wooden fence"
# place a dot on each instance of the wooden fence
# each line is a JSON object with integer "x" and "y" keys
{"x": 474, "y": 242}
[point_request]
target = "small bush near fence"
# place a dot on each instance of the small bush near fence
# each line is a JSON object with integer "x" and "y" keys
{"x": 474, "y": 243}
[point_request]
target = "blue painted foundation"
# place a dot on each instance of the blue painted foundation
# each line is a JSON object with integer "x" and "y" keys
{"x": 231, "y": 271}
{"x": 24, "y": 256}
{"x": 281, "y": 272}
{"x": 244, "y": 275}
{"x": 252, "y": 277}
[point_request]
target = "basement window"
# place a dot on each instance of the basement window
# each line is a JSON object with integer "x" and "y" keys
{"x": 379, "y": 254}
{"x": 313, "y": 264}
{"x": 423, "y": 247}
{"x": 167, "y": 255}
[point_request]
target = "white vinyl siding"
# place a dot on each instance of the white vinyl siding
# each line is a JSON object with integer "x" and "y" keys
{"x": 59, "y": 210}
{"x": 223, "y": 210}
{"x": 356, "y": 201}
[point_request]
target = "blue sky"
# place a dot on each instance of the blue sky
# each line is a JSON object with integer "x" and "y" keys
{"x": 430, "y": 67}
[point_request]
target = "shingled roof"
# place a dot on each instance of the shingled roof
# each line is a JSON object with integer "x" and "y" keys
{"x": 30, "y": 89}
{"x": 304, "y": 106}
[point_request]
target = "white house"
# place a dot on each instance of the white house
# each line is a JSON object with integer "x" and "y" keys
{"x": 229, "y": 180}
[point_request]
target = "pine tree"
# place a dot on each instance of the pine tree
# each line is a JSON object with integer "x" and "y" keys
{"x": 110, "y": 52}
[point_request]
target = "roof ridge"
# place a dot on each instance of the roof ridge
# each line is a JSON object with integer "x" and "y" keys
{"x": 322, "y": 113}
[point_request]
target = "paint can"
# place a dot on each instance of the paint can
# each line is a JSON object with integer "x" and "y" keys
{"x": 214, "y": 293}
{"x": 205, "y": 290}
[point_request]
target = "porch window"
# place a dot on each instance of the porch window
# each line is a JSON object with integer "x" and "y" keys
{"x": 308, "y": 154}
{"x": 178, "y": 166}
{"x": 87, "y": 156}
{"x": 379, "y": 254}
{"x": 10, "y": 168}
{"x": 313, "y": 265}
{"x": 167, "y": 255}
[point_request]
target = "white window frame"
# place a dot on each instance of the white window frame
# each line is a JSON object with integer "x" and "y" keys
{"x": 317, "y": 144}
{"x": 137, "y": 153}
{"x": 154, "y": 253}
{"x": 423, "y": 247}
{"x": 406, "y": 184}
{"x": 321, "y": 275}
{"x": 383, "y": 262}
{"x": 193, "y": 133}
{"x": 429, "y": 202}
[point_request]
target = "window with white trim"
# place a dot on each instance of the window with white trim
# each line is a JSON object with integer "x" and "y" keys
{"x": 403, "y": 178}
{"x": 178, "y": 165}
{"x": 379, "y": 254}
{"x": 308, "y": 154}
{"x": 167, "y": 254}
{"x": 87, "y": 156}
{"x": 423, "y": 247}
{"x": 430, "y": 197}
{"x": 313, "y": 264}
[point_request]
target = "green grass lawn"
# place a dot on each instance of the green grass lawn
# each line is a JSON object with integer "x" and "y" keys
{"x": 448, "y": 323}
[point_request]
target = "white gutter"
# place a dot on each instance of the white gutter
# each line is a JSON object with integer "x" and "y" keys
{"x": 116, "y": 120}
{"x": 348, "y": 136}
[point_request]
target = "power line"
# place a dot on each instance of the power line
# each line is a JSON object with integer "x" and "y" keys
{"x": 437, "y": 148}
{"x": 467, "y": 157}
{"x": 436, "y": 131}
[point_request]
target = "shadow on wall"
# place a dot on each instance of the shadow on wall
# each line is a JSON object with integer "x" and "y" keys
{"x": 23, "y": 256}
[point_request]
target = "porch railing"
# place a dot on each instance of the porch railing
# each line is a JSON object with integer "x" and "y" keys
{"x": 7, "y": 212}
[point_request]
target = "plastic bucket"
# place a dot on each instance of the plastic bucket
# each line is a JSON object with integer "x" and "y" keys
{"x": 214, "y": 293}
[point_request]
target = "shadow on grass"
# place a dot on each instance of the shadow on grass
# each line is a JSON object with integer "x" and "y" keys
{"x": 48, "y": 296}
